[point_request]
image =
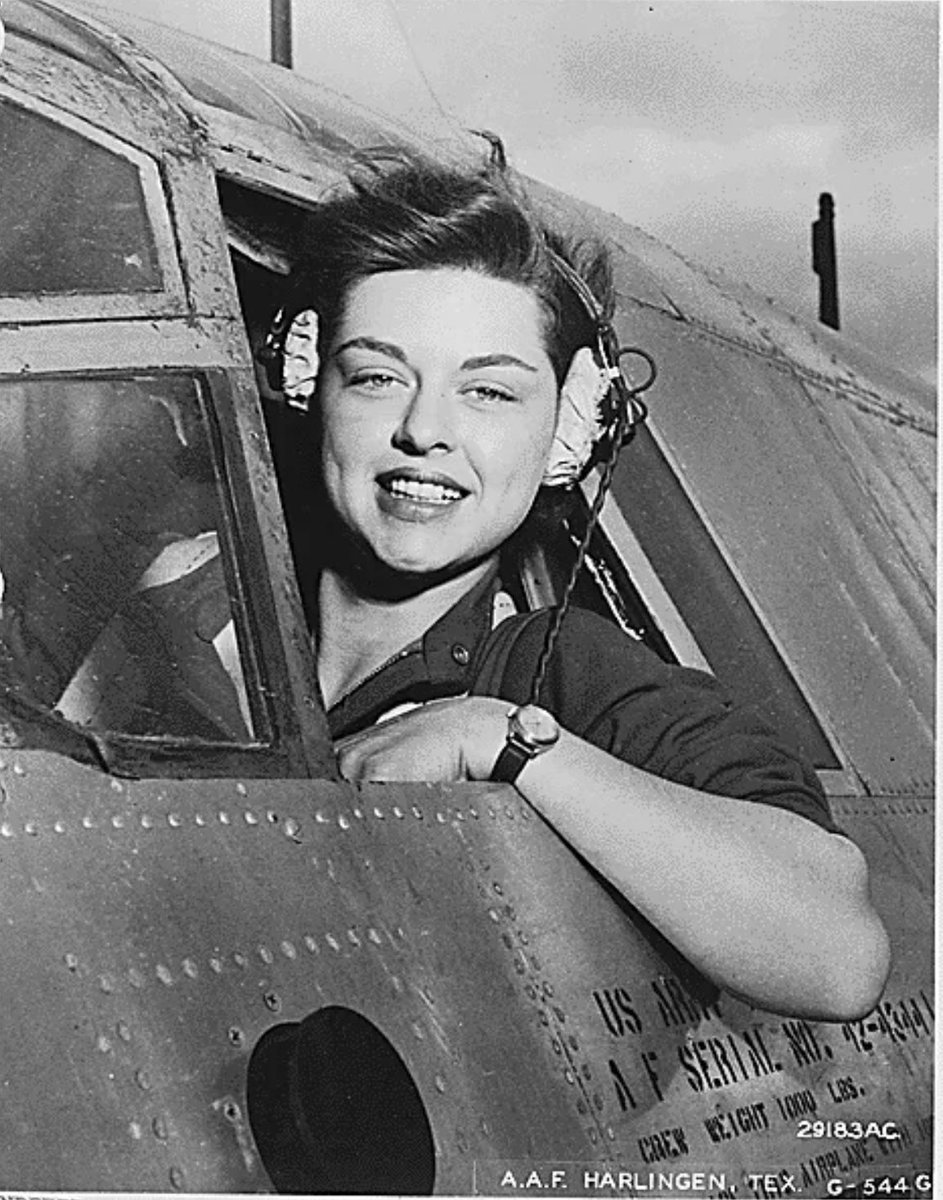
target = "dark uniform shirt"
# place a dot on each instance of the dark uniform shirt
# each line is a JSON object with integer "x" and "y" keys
{"x": 606, "y": 688}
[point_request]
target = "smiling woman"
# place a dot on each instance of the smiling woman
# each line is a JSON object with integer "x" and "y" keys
{"x": 457, "y": 367}
{"x": 437, "y": 410}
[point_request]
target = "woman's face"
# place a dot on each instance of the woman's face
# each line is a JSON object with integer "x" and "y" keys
{"x": 438, "y": 406}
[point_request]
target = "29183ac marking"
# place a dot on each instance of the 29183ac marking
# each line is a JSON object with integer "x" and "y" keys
{"x": 847, "y": 1129}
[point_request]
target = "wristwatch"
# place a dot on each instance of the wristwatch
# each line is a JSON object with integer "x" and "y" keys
{"x": 531, "y": 731}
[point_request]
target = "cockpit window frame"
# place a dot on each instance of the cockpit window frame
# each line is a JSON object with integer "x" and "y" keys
{"x": 625, "y": 546}
{"x": 277, "y": 750}
{"x": 841, "y": 780}
{"x": 169, "y": 300}
{"x": 623, "y": 543}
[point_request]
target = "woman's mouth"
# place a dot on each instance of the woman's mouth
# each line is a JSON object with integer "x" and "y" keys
{"x": 411, "y": 494}
{"x": 429, "y": 493}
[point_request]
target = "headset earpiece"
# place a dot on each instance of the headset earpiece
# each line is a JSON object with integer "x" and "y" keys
{"x": 623, "y": 411}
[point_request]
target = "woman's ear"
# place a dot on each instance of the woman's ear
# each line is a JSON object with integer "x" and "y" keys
{"x": 579, "y": 420}
{"x": 300, "y": 360}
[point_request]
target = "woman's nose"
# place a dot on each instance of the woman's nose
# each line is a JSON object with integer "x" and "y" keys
{"x": 426, "y": 424}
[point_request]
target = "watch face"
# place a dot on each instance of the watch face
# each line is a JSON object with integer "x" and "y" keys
{"x": 535, "y": 726}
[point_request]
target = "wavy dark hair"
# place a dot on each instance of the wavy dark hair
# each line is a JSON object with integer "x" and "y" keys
{"x": 409, "y": 213}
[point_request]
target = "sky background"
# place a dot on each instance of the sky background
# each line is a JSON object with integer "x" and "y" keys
{"x": 712, "y": 124}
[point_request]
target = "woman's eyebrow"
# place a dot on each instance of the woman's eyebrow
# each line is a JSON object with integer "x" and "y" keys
{"x": 470, "y": 364}
{"x": 370, "y": 343}
{"x": 496, "y": 360}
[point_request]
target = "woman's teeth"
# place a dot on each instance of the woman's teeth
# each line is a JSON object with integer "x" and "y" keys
{"x": 428, "y": 493}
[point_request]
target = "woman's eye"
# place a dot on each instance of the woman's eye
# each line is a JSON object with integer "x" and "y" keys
{"x": 372, "y": 381}
{"x": 489, "y": 394}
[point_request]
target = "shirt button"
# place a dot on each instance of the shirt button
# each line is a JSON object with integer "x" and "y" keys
{"x": 460, "y": 654}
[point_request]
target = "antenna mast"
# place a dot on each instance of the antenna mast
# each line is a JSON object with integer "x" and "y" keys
{"x": 281, "y": 32}
{"x": 823, "y": 260}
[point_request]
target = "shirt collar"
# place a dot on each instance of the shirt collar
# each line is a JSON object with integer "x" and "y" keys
{"x": 448, "y": 646}
{"x": 440, "y": 664}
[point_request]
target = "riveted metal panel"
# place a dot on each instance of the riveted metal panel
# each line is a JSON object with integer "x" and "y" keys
{"x": 154, "y": 931}
{"x": 657, "y": 276}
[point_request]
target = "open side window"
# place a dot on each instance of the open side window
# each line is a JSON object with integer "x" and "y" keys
{"x": 652, "y": 567}
{"x": 262, "y": 232}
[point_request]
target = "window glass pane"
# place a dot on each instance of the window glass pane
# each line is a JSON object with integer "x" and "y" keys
{"x": 73, "y": 213}
{"x": 115, "y": 609}
{"x": 707, "y": 595}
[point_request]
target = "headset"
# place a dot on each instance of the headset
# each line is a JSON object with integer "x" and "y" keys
{"x": 622, "y": 410}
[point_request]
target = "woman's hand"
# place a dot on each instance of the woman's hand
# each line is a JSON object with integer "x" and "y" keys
{"x": 440, "y": 742}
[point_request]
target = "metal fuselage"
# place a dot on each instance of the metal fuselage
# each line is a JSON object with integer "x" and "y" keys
{"x": 211, "y": 946}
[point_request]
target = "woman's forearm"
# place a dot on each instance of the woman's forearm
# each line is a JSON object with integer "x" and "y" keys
{"x": 761, "y": 900}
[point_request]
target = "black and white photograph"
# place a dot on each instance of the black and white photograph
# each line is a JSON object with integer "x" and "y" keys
{"x": 467, "y": 597}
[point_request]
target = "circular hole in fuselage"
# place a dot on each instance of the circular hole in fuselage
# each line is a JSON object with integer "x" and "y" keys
{"x": 333, "y": 1108}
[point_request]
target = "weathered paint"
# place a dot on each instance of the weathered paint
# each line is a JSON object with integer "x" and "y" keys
{"x": 160, "y": 942}
{"x": 146, "y": 921}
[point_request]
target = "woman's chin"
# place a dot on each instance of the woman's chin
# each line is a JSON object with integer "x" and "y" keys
{"x": 397, "y": 576}
{"x": 421, "y": 553}
{"x": 431, "y": 567}
{"x": 397, "y": 567}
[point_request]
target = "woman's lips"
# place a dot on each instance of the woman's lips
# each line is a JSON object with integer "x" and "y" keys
{"x": 418, "y": 495}
{"x": 429, "y": 493}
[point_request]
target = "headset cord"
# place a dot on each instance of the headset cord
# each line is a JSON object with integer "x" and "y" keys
{"x": 626, "y": 424}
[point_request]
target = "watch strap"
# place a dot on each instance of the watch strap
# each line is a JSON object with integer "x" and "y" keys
{"x": 510, "y": 762}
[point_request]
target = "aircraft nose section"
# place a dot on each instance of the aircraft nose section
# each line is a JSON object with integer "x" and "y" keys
{"x": 334, "y": 1109}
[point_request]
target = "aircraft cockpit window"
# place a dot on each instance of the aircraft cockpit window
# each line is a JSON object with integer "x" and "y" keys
{"x": 75, "y": 218}
{"x": 115, "y": 607}
{"x": 672, "y": 590}
{"x": 709, "y": 599}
